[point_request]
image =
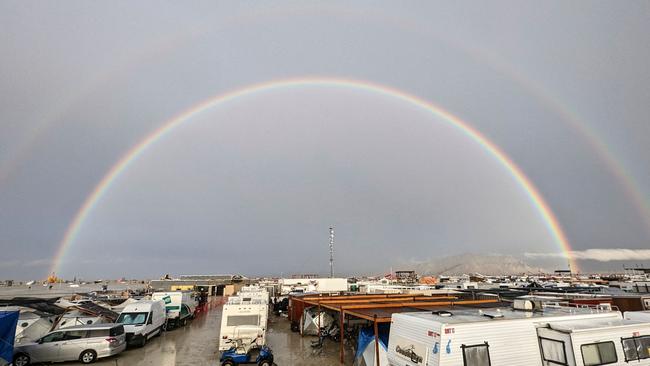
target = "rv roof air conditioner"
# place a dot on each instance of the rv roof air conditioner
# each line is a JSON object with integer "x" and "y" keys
{"x": 492, "y": 314}
{"x": 442, "y": 313}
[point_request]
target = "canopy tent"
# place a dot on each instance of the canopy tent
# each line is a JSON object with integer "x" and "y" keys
{"x": 366, "y": 352}
{"x": 311, "y": 320}
{"x": 118, "y": 308}
{"x": 8, "y": 321}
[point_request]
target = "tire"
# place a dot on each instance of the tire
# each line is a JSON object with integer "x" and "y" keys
{"x": 88, "y": 356}
{"x": 183, "y": 322}
{"x": 164, "y": 327}
{"x": 21, "y": 359}
{"x": 265, "y": 363}
{"x": 228, "y": 363}
{"x": 143, "y": 342}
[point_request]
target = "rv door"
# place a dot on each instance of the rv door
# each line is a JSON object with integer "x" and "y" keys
{"x": 555, "y": 347}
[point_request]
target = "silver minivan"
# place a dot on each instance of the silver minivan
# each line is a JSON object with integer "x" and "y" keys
{"x": 85, "y": 343}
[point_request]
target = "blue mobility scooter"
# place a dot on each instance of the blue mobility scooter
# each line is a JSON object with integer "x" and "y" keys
{"x": 240, "y": 354}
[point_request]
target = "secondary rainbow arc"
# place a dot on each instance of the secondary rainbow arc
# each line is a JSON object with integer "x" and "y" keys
{"x": 91, "y": 201}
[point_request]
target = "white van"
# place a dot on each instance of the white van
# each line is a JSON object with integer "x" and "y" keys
{"x": 180, "y": 306}
{"x": 143, "y": 320}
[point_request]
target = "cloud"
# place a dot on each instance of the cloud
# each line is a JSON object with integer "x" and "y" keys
{"x": 26, "y": 263}
{"x": 601, "y": 255}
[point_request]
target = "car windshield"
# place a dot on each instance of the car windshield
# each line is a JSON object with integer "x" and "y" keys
{"x": 132, "y": 318}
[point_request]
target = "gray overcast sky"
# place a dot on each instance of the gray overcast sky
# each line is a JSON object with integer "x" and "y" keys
{"x": 252, "y": 186}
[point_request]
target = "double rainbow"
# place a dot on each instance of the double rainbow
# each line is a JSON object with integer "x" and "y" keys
{"x": 169, "y": 126}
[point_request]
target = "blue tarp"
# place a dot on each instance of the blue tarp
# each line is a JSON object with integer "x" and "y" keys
{"x": 8, "y": 321}
{"x": 367, "y": 335}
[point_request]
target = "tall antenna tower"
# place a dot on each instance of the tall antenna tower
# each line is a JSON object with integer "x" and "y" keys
{"x": 331, "y": 252}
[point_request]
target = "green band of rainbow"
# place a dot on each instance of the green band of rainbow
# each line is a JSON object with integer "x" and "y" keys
{"x": 168, "y": 127}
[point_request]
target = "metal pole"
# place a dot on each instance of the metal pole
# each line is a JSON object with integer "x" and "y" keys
{"x": 342, "y": 320}
{"x": 376, "y": 339}
{"x": 331, "y": 251}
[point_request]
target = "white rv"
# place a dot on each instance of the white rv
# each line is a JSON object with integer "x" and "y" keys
{"x": 643, "y": 315}
{"x": 474, "y": 337}
{"x": 143, "y": 320}
{"x": 253, "y": 292}
{"x": 180, "y": 306}
{"x": 243, "y": 319}
{"x": 319, "y": 285}
{"x": 615, "y": 342}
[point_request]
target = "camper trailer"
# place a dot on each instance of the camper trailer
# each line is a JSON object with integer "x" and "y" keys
{"x": 637, "y": 315}
{"x": 180, "y": 306}
{"x": 254, "y": 292}
{"x": 244, "y": 319}
{"x": 475, "y": 337}
{"x": 615, "y": 342}
{"x": 313, "y": 285}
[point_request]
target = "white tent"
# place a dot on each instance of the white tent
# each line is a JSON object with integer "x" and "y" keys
{"x": 32, "y": 325}
{"x": 310, "y": 321}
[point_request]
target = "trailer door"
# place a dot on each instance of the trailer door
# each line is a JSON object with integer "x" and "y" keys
{"x": 555, "y": 348}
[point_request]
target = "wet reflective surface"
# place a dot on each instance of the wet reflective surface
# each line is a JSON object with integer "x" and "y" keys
{"x": 196, "y": 344}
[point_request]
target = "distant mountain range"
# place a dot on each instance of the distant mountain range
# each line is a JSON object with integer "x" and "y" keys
{"x": 472, "y": 263}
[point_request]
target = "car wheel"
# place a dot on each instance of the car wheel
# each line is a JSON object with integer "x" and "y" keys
{"x": 21, "y": 359}
{"x": 265, "y": 363}
{"x": 143, "y": 342}
{"x": 228, "y": 363}
{"x": 88, "y": 356}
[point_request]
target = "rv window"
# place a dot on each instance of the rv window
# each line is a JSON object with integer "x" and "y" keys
{"x": 597, "y": 354}
{"x": 236, "y": 320}
{"x": 476, "y": 355}
{"x": 553, "y": 351}
{"x": 636, "y": 348}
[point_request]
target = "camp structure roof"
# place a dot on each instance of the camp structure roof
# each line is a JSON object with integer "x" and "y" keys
{"x": 383, "y": 315}
{"x": 43, "y": 305}
{"x": 380, "y": 307}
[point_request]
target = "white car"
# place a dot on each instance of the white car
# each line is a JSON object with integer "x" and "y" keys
{"x": 85, "y": 343}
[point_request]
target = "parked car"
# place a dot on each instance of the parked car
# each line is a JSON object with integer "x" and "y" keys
{"x": 85, "y": 343}
{"x": 143, "y": 320}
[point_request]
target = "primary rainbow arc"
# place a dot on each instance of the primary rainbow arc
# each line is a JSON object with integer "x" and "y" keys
{"x": 91, "y": 201}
